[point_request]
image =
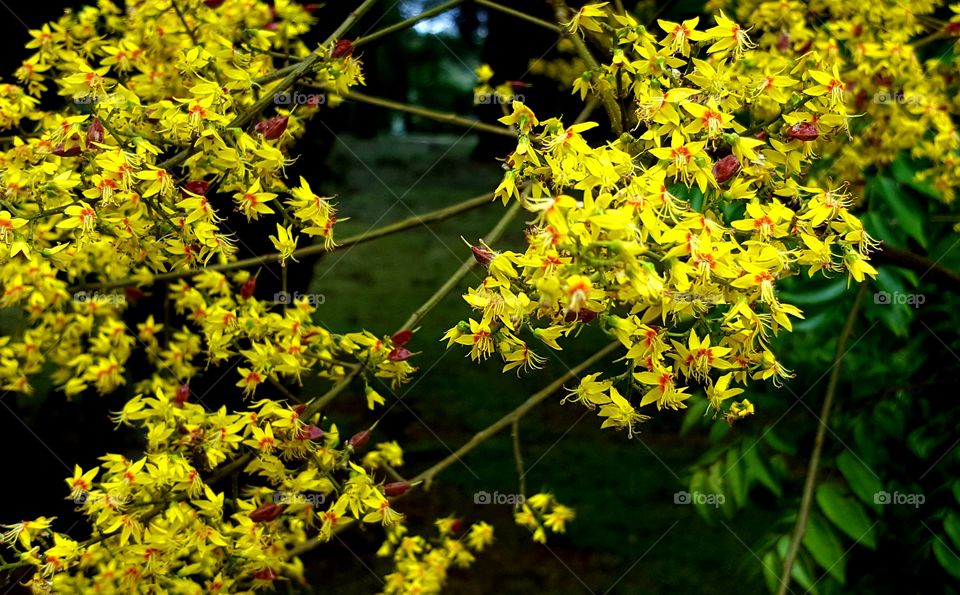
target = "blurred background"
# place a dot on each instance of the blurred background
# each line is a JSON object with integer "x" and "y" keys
{"x": 894, "y": 428}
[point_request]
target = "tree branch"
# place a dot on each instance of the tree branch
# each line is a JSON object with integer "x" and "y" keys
{"x": 811, "y": 480}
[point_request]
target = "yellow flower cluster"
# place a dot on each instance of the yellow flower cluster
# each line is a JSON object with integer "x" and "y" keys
{"x": 675, "y": 235}
{"x": 541, "y": 513}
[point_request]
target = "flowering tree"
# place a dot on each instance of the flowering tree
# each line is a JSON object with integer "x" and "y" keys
{"x": 724, "y": 161}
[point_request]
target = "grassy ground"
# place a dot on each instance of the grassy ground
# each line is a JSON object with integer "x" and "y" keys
{"x": 629, "y": 535}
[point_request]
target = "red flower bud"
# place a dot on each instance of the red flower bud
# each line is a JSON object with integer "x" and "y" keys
{"x": 482, "y": 255}
{"x": 311, "y": 432}
{"x": 267, "y": 512}
{"x": 267, "y": 574}
{"x": 804, "y": 131}
{"x": 183, "y": 393}
{"x": 400, "y": 339}
{"x": 299, "y": 409}
{"x": 61, "y": 151}
{"x": 271, "y": 26}
{"x": 132, "y": 293}
{"x": 197, "y": 187}
{"x": 783, "y": 42}
{"x": 248, "y": 288}
{"x": 397, "y": 488}
{"x": 456, "y": 526}
{"x": 762, "y": 135}
{"x": 359, "y": 440}
{"x": 95, "y": 131}
{"x": 584, "y": 316}
{"x": 312, "y": 8}
{"x": 272, "y": 128}
{"x": 213, "y": 3}
{"x": 398, "y": 354}
{"x": 344, "y": 47}
{"x": 726, "y": 168}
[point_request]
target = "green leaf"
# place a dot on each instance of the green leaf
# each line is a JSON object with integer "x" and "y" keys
{"x": 824, "y": 546}
{"x": 757, "y": 470}
{"x": 733, "y": 477}
{"x": 694, "y": 415}
{"x": 952, "y": 526}
{"x": 828, "y": 292}
{"x": 860, "y": 478}
{"x": 847, "y": 514}
{"x": 908, "y": 212}
{"x": 905, "y": 171}
{"x": 947, "y": 559}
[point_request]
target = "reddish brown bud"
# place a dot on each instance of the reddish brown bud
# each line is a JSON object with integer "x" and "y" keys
{"x": 267, "y": 574}
{"x": 61, "y": 151}
{"x": 359, "y": 440}
{"x": 804, "y": 131}
{"x": 213, "y": 3}
{"x": 342, "y": 48}
{"x": 456, "y": 526}
{"x": 398, "y": 354}
{"x": 299, "y": 409}
{"x": 482, "y": 255}
{"x": 783, "y": 41}
{"x": 584, "y": 316}
{"x": 726, "y": 168}
{"x": 267, "y": 512}
{"x": 518, "y": 84}
{"x": 197, "y": 187}
{"x": 248, "y": 288}
{"x": 311, "y": 432}
{"x": 132, "y": 293}
{"x": 397, "y": 488}
{"x": 95, "y": 131}
{"x": 401, "y": 338}
{"x": 272, "y": 26}
{"x": 312, "y": 8}
{"x": 183, "y": 394}
{"x": 762, "y": 135}
{"x": 272, "y": 128}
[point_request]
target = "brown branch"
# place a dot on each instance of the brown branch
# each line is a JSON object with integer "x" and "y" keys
{"x": 314, "y": 250}
{"x": 825, "y": 409}
{"x": 923, "y": 265}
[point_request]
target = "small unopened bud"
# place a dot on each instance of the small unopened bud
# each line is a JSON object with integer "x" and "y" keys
{"x": 197, "y": 187}
{"x": 247, "y": 289}
{"x": 132, "y": 293}
{"x": 61, "y": 151}
{"x": 267, "y": 512}
{"x": 213, "y": 3}
{"x": 267, "y": 574}
{"x": 401, "y": 338}
{"x": 398, "y": 354}
{"x": 726, "y": 168}
{"x": 482, "y": 255}
{"x": 311, "y": 432}
{"x": 95, "y": 131}
{"x": 272, "y": 128}
{"x": 183, "y": 394}
{"x": 342, "y": 48}
{"x": 397, "y": 488}
{"x": 804, "y": 131}
{"x": 359, "y": 440}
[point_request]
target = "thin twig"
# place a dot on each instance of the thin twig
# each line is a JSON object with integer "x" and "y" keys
{"x": 316, "y": 249}
{"x": 811, "y": 480}
{"x": 518, "y": 457}
{"x": 407, "y": 23}
{"x": 520, "y": 15}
